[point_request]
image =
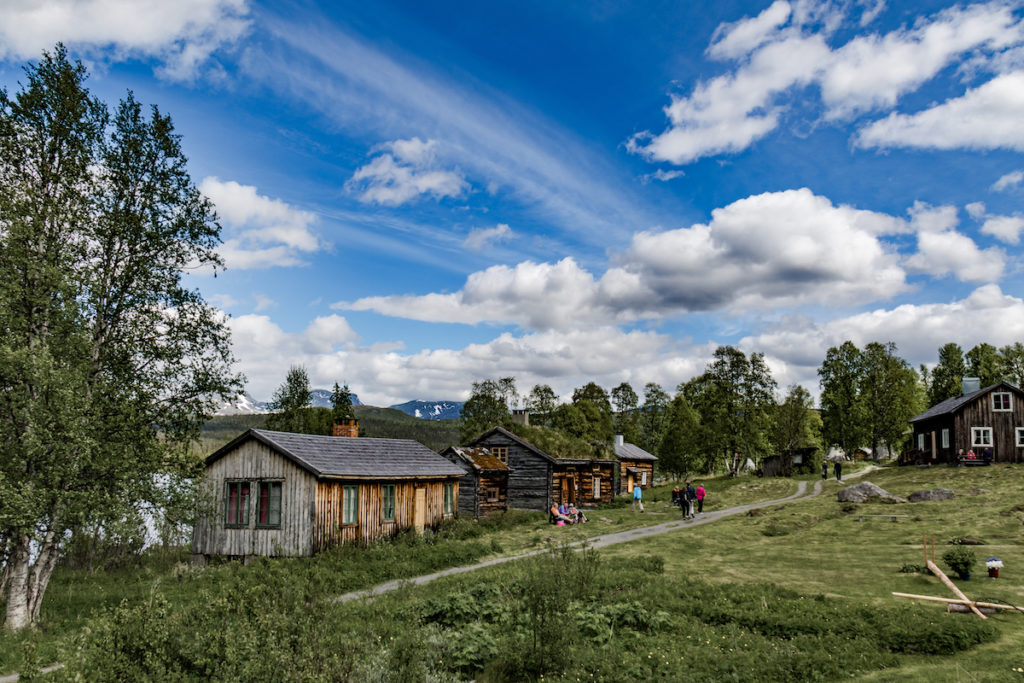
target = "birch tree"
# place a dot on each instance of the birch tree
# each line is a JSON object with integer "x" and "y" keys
{"x": 108, "y": 363}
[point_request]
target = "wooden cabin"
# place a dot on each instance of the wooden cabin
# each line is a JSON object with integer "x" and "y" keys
{"x": 636, "y": 466}
{"x": 536, "y": 479}
{"x": 992, "y": 417}
{"x": 279, "y": 493}
{"x": 484, "y": 487}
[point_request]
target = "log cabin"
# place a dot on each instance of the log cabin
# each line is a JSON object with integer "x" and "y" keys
{"x": 992, "y": 417}
{"x": 278, "y": 493}
{"x": 536, "y": 479}
{"x": 484, "y": 488}
{"x": 635, "y": 466}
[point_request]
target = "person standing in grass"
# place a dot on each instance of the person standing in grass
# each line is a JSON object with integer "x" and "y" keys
{"x": 701, "y": 493}
{"x": 839, "y": 471}
{"x": 637, "y": 498}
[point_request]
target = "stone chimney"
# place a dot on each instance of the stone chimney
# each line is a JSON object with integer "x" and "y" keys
{"x": 349, "y": 428}
{"x": 619, "y": 440}
{"x": 521, "y": 416}
{"x": 968, "y": 385}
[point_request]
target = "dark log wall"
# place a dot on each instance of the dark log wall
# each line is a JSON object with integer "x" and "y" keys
{"x": 253, "y": 462}
{"x": 488, "y": 481}
{"x": 977, "y": 413}
{"x": 529, "y": 476}
{"x": 370, "y": 523}
{"x": 577, "y": 481}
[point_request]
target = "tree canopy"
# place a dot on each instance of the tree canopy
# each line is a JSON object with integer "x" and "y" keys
{"x": 108, "y": 363}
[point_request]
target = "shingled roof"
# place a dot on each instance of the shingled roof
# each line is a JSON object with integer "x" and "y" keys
{"x": 951, "y": 405}
{"x": 334, "y": 457}
{"x": 629, "y": 451}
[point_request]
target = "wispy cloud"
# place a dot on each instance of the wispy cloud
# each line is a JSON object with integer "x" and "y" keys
{"x": 478, "y": 238}
{"x": 1011, "y": 179}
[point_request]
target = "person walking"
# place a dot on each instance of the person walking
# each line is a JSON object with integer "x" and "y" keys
{"x": 824, "y": 470}
{"x": 689, "y": 495}
{"x": 637, "y": 498}
{"x": 701, "y": 493}
{"x": 839, "y": 471}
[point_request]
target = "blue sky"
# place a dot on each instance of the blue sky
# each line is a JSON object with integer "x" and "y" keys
{"x": 418, "y": 195}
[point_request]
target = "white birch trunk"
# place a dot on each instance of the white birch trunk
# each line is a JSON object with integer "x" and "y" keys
{"x": 17, "y": 616}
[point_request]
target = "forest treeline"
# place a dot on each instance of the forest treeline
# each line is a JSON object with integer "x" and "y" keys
{"x": 734, "y": 409}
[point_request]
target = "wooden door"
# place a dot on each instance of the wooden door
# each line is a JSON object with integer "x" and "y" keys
{"x": 564, "y": 498}
{"x": 629, "y": 484}
{"x": 419, "y": 513}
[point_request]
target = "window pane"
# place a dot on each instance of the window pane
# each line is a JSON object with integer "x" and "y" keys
{"x": 264, "y": 504}
{"x": 350, "y": 502}
{"x": 243, "y": 503}
{"x": 231, "y": 507}
{"x": 389, "y": 502}
{"x": 275, "y": 504}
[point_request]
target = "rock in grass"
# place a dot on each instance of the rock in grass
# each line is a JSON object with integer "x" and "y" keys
{"x": 866, "y": 492}
{"x": 934, "y": 494}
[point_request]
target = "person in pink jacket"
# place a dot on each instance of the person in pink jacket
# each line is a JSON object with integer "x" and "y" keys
{"x": 700, "y": 498}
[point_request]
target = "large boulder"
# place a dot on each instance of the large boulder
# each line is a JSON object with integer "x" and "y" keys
{"x": 934, "y": 494}
{"x": 866, "y": 492}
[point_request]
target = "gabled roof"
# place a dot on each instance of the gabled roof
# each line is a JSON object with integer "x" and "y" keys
{"x": 509, "y": 435}
{"x": 629, "y": 451}
{"x": 334, "y": 457}
{"x": 952, "y": 405}
{"x": 478, "y": 457}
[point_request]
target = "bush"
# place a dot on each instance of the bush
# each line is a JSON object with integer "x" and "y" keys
{"x": 960, "y": 559}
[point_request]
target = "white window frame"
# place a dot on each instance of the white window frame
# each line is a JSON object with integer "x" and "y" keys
{"x": 350, "y": 505}
{"x": 643, "y": 478}
{"x": 981, "y": 436}
{"x": 596, "y": 485}
{"x": 501, "y": 453}
{"x": 945, "y": 438}
{"x": 1020, "y": 437}
{"x": 1009, "y": 401}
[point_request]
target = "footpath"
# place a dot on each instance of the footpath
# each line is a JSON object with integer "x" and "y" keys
{"x": 600, "y": 541}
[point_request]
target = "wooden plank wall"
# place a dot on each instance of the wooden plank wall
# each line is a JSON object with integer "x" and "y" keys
{"x": 1004, "y": 425}
{"x": 489, "y": 480}
{"x": 642, "y": 465}
{"x": 580, "y": 479}
{"x": 370, "y": 525}
{"x": 529, "y": 477}
{"x": 253, "y": 461}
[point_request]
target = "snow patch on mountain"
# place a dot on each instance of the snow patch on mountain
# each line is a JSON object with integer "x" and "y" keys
{"x": 245, "y": 404}
{"x": 431, "y": 410}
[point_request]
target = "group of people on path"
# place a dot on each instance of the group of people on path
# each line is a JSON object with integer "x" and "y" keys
{"x": 838, "y": 469}
{"x": 686, "y": 497}
{"x": 567, "y": 514}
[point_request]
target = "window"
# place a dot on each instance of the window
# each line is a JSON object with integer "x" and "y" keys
{"x": 643, "y": 478}
{"x": 236, "y": 504}
{"x": 449, "y": 498}
{"x": 920, "y": 442}
{"x": 268, "y": 504}
{"x": 945, "y": 438}
{"x": 597, "y": 488}
{"x": 493, "y": 495}
{"x": 981, "y": 436}
{"x": 1020, "y": 437}
{"x": 500, "y": 452}
{"x": 1002, "y": 401}
{"x": 388, "y": 502}
{"x": 349, "y": 504}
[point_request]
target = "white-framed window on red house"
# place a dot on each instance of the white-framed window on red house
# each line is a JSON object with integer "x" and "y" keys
{"x": 981, "y": 436}
{"x": 236, "y": 503}
{"x": 1002, "y": 401}
{"x": 268, "y": 505}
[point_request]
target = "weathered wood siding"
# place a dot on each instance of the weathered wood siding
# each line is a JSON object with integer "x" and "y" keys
{"x": 370, "y": 524}
{"x": 575, "y": 483}
{"x": 643, "y": 466}
{"x": 254, "y": 462}
{"x": 977, "y": 413}
{"x": 529, "y": 475}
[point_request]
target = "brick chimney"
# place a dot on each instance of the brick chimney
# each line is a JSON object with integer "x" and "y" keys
{"x": 349, "y": 428}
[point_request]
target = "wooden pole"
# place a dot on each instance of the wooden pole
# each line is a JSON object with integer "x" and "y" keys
{"x": 955, "y": 601}
{"x": 952, "y": 586}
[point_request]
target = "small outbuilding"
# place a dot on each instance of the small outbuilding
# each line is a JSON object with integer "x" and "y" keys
{"x": 484, "y": 488}
{"x": 636, "y": 466}
{"x": 279, "y": 493}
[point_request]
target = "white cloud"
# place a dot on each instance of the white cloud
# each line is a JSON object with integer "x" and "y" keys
{"x": 263, "y": 303}
{"x": 479, "y": 238}
{"x": 183, "y": 34}
{"x": 409, "y": 170}
{"x": 768, "y": 251}
{"x": 222, "y": 301}
{"x": 986, "y": 117}
{"x": 798, "y": 346}
{"x": 951, "y": 252}
{"x": 780, "y": 51}
{"x": 661, "y": 175}
{"x": 1004, "y": 228}
{"x": 976, "y": 210}
{"x": 1005, "y": 182}
{"x": 260, "y": 232}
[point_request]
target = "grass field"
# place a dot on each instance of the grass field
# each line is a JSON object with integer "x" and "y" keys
{"x": 799, "y": 591}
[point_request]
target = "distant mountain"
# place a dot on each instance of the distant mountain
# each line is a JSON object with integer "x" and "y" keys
{"x": 245, "y": 404}
{"x": 431, "y": 410}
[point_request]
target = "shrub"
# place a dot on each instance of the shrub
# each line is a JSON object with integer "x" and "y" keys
{"x": 960, "y": 559}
